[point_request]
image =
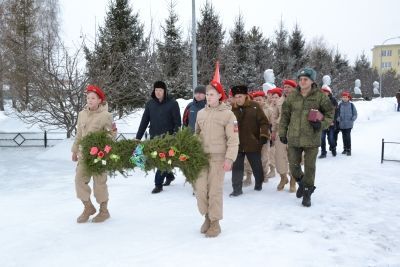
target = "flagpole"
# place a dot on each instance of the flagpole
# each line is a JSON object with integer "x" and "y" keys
{"x": 194, "y": 46}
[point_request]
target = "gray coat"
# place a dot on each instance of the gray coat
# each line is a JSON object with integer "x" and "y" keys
{"x": 347, "y": 114}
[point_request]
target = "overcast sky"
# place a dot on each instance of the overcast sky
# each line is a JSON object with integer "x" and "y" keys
{"x": 350, "y": 26}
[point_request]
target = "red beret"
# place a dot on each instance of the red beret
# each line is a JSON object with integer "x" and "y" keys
{"x": 275, "y": 90}
{"x": 258, "y": 93}
{"x": 217, "y": 86}
{"x": 290, "y": 83}
{"x": 97, "y": 90}
{"x": 345, "y": 93}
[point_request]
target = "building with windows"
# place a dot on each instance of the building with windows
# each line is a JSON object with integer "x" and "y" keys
{"x": 385, "y": 57}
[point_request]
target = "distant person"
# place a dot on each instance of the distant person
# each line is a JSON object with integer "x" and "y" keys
{"x": 163, "y": 114}
{"x": 198, "y": 103}
{"x": 94, "y": 118}
{"x": 347, "y": 114}
{"x": 330, "y": 131}
{"x": 398, "y": 100}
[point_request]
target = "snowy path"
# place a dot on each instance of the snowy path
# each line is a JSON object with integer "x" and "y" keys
{"x": 354, "y": 220}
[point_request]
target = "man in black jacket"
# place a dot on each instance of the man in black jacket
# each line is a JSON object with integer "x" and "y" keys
{"x": 164, "y": 116}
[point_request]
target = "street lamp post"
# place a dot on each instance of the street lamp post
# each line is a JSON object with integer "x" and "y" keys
{"x": 381, "y": 67}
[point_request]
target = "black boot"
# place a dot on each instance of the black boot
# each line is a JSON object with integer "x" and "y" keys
{"x": 348, "y": 152}
{"x": 344, "y": 151}
{"x": 236, "y": 193}
{"x": 258, "y": 187}
{"x": 334, "y": 152}
{"x": 323, "y": 155}
{"x": 157, "y": 189}
{"x": 308, "y": 190}
{"x": 169, "y": 178}
{"x": 300, "y": 189}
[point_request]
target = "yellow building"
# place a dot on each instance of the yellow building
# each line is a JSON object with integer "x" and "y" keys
{"x": 386, "y": 57}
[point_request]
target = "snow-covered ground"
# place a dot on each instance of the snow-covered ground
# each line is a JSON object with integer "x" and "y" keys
{"x": 354, "y": 219}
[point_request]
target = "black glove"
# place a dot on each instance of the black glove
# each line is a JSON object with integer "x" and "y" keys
{"x": 316, "y": 125}
{"x": 263, "y": 140}
{"x": 283, "y": 139}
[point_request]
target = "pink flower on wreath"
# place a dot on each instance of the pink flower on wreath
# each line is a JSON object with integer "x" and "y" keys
{"x": 107, "y": 149}
{"x": 161, "y": 155}
{"x": 171, "y": 152}
{"x": 94, "y": 150}
{"x": 100, "y": 154}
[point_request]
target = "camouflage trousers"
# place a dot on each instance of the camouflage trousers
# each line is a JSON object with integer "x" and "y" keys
{"x": 310, "y": 158}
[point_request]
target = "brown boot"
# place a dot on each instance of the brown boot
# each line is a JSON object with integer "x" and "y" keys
{"x": 214, "y": 229}
{"x": 284, "y": 180}
{"x": 103, "y": 213}
{"x": 292, "y": 184}
{"x": 271, "y": 172}
{"x": 206, "y": 225}
{"x": 88, "y": 210}
{"x": 247, "y": 181}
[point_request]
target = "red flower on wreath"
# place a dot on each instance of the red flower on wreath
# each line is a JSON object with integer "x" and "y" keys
{"x": 162, "y": 155}
{"x": 107, "y": 149}
{"x": 171, "y": 152}
{"x": 183, "y": 157}
{"x": 93, "y": 150}
{"x": 100, "y": 154}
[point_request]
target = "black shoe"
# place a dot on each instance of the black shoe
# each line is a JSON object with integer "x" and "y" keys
{"x": 156, "y": 190}
{"x": 235, "y": 194}
{"x": 334, "y": 152}
{"x": 258, "y": 187}
{"x": 344, "y": 151}
{"x": 322, "y": 156}
{"x": 348, "y": 153}
{"x": 167, "y": 182}
{"x": 307, "y": 196}
{"x": 300, "y": 189}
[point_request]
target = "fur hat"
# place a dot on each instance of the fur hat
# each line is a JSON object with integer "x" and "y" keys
{"x": 239, "y": 89}
{"x": 95, "y": 89}
{"x": 307, "y": 72}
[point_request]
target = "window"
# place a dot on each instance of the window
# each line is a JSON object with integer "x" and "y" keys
{"x": 386, "y": 53}
{"x": 386, "y": 65}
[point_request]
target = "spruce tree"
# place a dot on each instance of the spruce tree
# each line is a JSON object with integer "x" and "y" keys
{"x": 210, "y": 37}
{"x": 297, "y": 56}
{"x": 118, "y": 60}
{"x": 173, "y": 57}
{"x": 281, "y": 54}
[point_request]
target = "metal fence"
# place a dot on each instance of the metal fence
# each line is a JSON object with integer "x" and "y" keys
{"x": 44, "y": 139}
{"x": 31, "y": 139}
{"x": 383, "y": 151}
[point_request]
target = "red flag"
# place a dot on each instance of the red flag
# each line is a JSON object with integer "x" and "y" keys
{"x": 217, "y": 78}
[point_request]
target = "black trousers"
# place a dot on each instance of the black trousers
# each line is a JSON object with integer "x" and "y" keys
{"x": 346, "y": 135}
{"x": 254, "y": 159}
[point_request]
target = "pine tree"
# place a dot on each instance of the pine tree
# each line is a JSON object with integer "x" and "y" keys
{"x": 119, "y": 58}
{"x": 341, "y": 75}
{"x": 281, "y": 54}
{"x": 173, "y": 57}
{"x": 320, "y": 58}
{"x": 297, "y": 55}
{"x": 210, "y": 37}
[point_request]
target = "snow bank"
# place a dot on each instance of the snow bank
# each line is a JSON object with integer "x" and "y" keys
{"x": 59, "y": 152}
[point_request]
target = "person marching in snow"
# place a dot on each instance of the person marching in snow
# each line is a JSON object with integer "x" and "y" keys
{"x": 347, "y": 114}
{"x": 303, "y": 134}
{"x": 216, "y": 127}
{"x": 330, "y": 131}
{"x": 191, "y": 110}
{"x": 253, "y": 134}
{"x": 162, "y": 112}
{"x": 94, "y": 118}
{"x": 398, "y": 100}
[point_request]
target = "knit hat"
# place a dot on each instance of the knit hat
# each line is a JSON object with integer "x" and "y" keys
{"x": 307, "y": 72}
{"x": 160, "y": 84}
{"x": 239, "y": 89}
{"x": 275, "y": 90}
{"x": 217, "y": 86}
{"x": 290, "y": 83}
{"x": 95, "y": 89}
{"x": 200, "y": 89}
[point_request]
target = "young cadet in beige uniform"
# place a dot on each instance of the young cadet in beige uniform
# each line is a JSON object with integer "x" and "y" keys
{"x": 95, "y": 117}
{"x": 217, "y": 129}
